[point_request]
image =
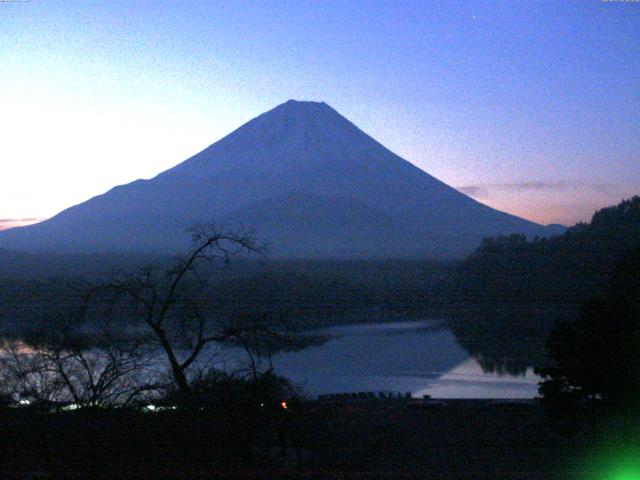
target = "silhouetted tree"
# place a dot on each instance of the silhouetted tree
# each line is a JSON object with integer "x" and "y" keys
{"x": 175, "y": 308}
{"x": 596, "y": 358}
{"x": 64, "y": 365}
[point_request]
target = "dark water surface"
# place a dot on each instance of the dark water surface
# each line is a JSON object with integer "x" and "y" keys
{"x": 416, "y": 357}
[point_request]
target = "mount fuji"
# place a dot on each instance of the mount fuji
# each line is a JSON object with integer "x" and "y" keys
{"x": 306, "y": 180}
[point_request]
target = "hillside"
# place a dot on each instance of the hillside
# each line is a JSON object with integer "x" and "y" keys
{"x": 567, "y": 268}
{"x": 510, "y": 292}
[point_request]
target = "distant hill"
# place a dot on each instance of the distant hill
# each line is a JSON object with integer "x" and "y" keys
{"x": 567, "y": 268}
{"x": 304, "y": 178}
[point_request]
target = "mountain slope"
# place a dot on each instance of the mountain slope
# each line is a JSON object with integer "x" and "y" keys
{"x": 307, "y": 180}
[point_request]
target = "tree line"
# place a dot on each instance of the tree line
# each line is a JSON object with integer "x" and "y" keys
{"x": 507, "y": 296}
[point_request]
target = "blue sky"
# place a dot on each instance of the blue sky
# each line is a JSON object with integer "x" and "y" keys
{"x": 530, "y": 107}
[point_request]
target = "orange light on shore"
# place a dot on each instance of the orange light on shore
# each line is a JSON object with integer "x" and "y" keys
{"x": 283, "y": 404}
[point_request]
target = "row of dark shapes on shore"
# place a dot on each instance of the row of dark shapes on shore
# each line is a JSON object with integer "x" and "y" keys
{"x": 394, "y": 398}
{"x": 364, "y": 396}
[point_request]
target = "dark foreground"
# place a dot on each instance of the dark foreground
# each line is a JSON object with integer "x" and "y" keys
{"x": 460, "y": 440}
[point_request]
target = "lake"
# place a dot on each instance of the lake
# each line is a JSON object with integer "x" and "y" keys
{"x": 417, "y": 357}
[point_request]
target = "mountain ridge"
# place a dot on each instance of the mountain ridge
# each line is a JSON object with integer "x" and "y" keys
{"x": 297, "y": 148}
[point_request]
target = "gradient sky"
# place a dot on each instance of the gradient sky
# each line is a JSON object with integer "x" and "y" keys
{"x": 530, "y": 107}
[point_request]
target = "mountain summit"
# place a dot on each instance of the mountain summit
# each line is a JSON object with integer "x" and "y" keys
{"x": 304, "y": 178}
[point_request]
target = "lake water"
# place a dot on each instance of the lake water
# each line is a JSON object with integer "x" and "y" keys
{"x": 420, "y": 357}
{"x": 416, "y": 357}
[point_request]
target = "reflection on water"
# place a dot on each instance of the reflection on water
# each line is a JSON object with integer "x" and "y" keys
{"x": 508, "y": 339}
{"x": 417, "y": 357}
{"x": 469, "y": 380}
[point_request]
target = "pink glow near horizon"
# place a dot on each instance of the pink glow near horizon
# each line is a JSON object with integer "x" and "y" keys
{"x": 6, "y": 223}
{"x": 537, "y": 203}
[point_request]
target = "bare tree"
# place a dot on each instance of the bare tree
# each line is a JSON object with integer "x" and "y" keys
{"x": 66, "y": 366}
{"x": 26, "y": 374}
{"x": 172, "y": 303}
